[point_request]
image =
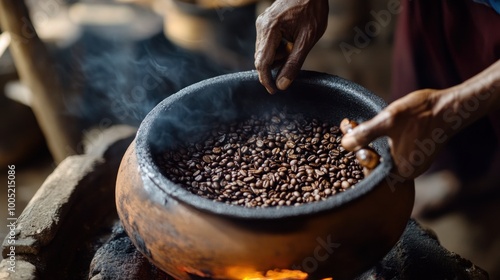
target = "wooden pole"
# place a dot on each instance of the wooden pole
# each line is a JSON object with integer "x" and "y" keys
{"x": 36, "y": 70}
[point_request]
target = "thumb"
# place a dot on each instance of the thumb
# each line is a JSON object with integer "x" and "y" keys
{"x": 368, "y": 131}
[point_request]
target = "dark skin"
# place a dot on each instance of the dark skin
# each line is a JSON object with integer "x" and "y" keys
{"x": 427, "y": 116}
{"x": 424, "y": 116}
{"x": 300, "y": 24}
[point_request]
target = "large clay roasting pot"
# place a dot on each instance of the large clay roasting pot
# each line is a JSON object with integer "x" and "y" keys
{"x": 191, "y": 237}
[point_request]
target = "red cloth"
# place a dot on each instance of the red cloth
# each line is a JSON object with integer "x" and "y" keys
{"x": 441, "y": 43}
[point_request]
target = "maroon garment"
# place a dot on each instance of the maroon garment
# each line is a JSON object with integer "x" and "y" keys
{"x": 441, "y": 43}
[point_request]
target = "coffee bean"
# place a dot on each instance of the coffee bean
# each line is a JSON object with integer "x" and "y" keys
{"x": 319, "y": 173}
{"x": 244, "y": 149}
{"x": 265, "y": 184}
{"x": 270, "y": 160}
{"x": 345, "y": 185}
{"x": 248, "y": 179}
{"x": 207, "y": 159}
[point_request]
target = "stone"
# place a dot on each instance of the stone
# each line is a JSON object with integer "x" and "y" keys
{"x": 23, "y": 271}
{"x": 119, "y": 259}
{"x": 418, "y": 255}
{"x": 38, "y": 223}
{"x": 75, "y": 202}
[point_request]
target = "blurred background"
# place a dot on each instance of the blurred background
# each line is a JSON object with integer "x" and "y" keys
{"x": 115, "y": 60}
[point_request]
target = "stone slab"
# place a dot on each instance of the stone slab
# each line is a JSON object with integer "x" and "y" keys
{"x": 23, "y": 271}
{"x": 73, "y": 202}
{"x": 38, "y": 223}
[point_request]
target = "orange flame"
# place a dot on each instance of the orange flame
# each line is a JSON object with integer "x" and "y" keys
{"x": 278, "y": 274}
{"x": 275, "y": 274}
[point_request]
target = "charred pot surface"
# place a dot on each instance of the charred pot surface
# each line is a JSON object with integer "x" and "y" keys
{"x": 187, "y": 235}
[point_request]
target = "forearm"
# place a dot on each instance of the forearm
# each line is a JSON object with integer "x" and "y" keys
{"x": 420, "y": 123}
{"x": 484, "y": 86}
{"x": 470, "y": 100}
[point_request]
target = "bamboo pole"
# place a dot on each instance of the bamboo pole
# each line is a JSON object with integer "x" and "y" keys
{"x": 36, "y": 70}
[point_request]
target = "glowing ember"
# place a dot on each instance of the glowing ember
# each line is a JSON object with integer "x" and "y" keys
{"x": 275, "y": 274}
{"x": 278, "y": 274}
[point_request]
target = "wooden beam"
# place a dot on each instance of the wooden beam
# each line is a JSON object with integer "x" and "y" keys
{"x": 36, "y": 70}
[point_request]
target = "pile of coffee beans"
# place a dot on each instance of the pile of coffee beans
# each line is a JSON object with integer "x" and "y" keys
{"x": 278, "y": 159}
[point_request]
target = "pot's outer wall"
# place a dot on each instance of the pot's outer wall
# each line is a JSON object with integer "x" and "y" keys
{"x": 187, "y": 235}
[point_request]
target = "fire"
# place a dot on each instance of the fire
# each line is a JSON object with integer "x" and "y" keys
{"x": 278, "y": 274}
{"x": 275, "y": 274}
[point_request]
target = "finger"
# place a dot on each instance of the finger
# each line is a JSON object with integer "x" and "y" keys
{"x": 263, "y": 63}
{"x": 291, "y": 68}
{"x": 266, "y": 79}
{"x": 266, "y": 45}
{"x": 368, "y": 131}
{"x": 283, "y": 51}
{"x": 281, "y": 55}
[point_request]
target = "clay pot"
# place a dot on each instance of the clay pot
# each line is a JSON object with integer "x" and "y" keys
{"x": 190, "y": 237}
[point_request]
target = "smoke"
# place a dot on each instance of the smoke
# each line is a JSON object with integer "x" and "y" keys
{"x": 122, "y": 81}
{"x": 113, "y": 79}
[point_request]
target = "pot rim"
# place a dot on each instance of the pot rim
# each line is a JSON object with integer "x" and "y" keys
{"x": 162, "y": 190}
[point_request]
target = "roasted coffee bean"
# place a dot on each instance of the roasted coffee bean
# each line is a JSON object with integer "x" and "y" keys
{"x": 270, "y": 160}
{"x": 345, "y": 185}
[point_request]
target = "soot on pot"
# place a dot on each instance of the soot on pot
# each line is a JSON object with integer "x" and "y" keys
{"x": 271, "y": 159}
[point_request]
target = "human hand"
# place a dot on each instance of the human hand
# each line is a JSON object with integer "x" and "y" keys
{"x": 417, "y": 126}
{"x": 420, "y": 123}
{"x": 286, "y": 32}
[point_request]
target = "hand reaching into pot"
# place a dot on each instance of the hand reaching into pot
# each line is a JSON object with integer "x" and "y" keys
{"x": 421, "y": 122}
{"x": 286, "y": 32}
